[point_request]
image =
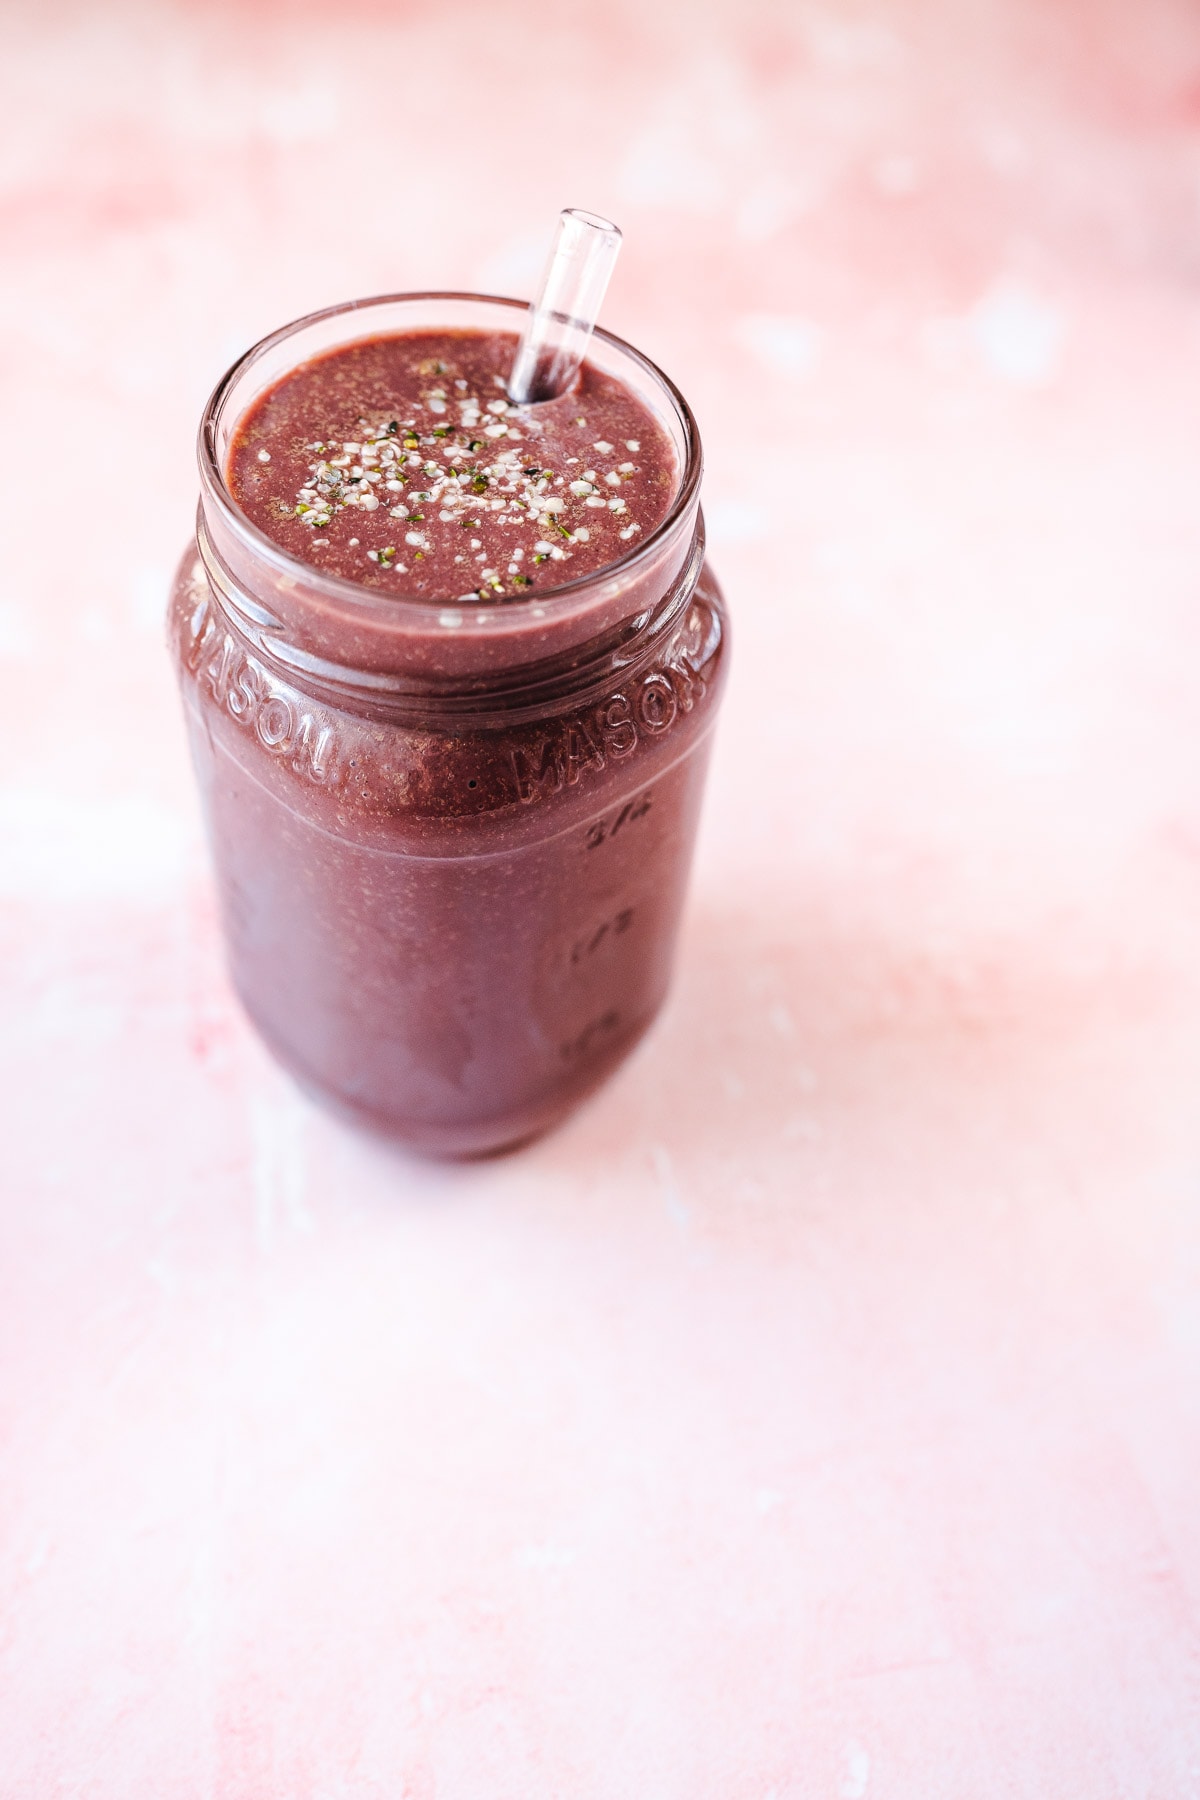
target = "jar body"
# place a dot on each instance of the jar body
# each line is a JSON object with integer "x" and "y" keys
{"x": 451, "y": 841}
{"x": 450, "y": 932}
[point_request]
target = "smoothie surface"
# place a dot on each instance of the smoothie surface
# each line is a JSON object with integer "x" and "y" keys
{"x": 398, "y": 463}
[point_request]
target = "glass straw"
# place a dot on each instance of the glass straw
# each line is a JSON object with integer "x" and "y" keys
{"x": 568, "y": 303}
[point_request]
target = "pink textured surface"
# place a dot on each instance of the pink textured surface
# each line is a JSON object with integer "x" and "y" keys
{"x": 818, "y": 1414}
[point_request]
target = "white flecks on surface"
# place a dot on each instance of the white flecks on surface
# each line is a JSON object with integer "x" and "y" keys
{"x": 1018, "y": 335}
{"x": 730, "y": 521}
{"x": 767, "y": 205}
{"x": 278, "y": 1119}
{"x": 782, "y": 343}
{"x": 16, "y": 632}
{"x": 514, "y": 267}
{"x": 149, "y": 586}
{"x": 1011, "y": 333}
{"x": 856, "y": 1779}
{"x": 71, "y": 848}
{"x": 308, "y": 113}
{"x": 664, "y": 1170}
{"x": 546, "y": 1557}
{"x": 663, "y": 167}
{"x": 65, "y": 1009}
{"x": 781, "y": 1020}
{"x": 39, "y": 1555}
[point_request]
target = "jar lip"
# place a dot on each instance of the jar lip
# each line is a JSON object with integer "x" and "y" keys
{"x": 401, "y": 606}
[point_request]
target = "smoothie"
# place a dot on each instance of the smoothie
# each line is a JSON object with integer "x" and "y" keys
{"x": 399, "y": 463}
{"x": 451, "y": 802}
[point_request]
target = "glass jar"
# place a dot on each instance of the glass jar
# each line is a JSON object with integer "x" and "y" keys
{"x": 451, "y": 841}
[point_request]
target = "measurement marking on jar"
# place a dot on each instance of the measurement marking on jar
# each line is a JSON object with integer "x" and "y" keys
{"x": 604, "y": 830}
{"x": 611, "y": 928}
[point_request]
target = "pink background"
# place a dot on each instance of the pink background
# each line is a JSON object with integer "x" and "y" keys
{"x": 817, "y": 1415}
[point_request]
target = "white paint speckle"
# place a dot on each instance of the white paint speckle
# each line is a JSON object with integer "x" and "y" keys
{"x": 735, "y": 522}
{"x": 782, "y": 1021}
{"x": 307, "y": 114}
{"x": 857, "y": 1777}
{"x": 79, "y": 848}
{"x": 677, "y": 1212}
{"x": 546, "y": 1556}
{"x": 16, "y": 635}
{"x": 280, "y": 1173}
{"x": 1018, "y": 336}
{"x": 784, "y": 343}
{"x": 39, "y": 1554}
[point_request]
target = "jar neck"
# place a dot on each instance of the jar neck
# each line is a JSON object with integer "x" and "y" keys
{"x": 578, "y": 670}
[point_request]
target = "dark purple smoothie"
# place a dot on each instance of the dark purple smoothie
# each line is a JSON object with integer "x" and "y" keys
{"x": 400, "y": 464}
{"x": 451, "y": 723}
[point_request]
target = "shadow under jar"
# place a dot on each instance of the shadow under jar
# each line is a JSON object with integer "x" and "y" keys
{"x": 451, "y": 839}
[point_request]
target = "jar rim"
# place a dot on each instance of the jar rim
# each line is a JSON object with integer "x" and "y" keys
{"x": 418, "y": 612}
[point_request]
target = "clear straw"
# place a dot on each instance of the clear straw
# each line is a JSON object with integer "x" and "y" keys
{"x": 560, "y": 320}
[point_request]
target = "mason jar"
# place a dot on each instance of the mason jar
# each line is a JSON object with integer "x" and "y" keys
{"x": 451, "y": 841}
